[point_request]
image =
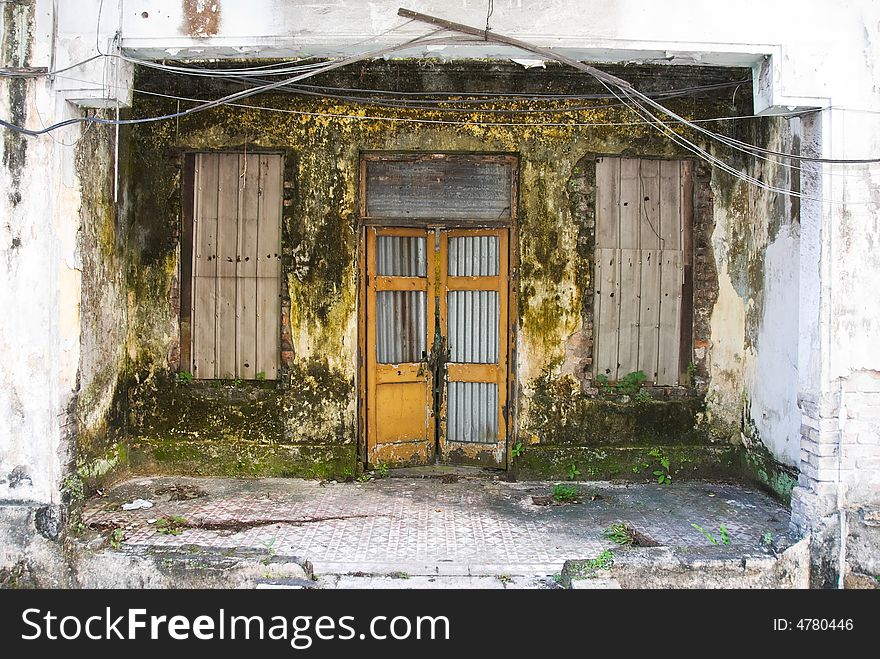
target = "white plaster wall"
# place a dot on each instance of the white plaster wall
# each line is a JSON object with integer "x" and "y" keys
{"x": 39, "y": 298}
{"x": 773, "y": 376}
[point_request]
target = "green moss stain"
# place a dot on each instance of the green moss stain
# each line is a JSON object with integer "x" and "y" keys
{"x": 16, "y": 41}
{"x": 561, "y": 414}
{"x": 170, "y": 421}
{"x": 629, "y": 463}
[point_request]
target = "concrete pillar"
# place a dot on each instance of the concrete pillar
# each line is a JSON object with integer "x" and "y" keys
{"x": 837, "y": 499}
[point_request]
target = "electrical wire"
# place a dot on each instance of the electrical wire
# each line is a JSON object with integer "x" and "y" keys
{"x": 418, "y": 120}
{"x": 745, "y": 146}
{"x": 632, "y": 97}
{"x": 225, "y": 100}
{"x": 426, "y": 105}
{"x": 636, "y": 107}
{"x": 6, "y": 73}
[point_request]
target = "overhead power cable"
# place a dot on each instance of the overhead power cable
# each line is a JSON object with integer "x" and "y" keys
{"x": 631, "y": 95}
{"x": 220, "y": 101}
{"x": 601, "y": 76}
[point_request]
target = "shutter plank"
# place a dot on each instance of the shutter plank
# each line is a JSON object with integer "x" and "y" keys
{"x": 649, "y": 217}
{"x": 205, "y": 215}
{"x": 686, "y": 352}
{"x": 629, "y": 204}
{"x": 246, "y": 333}
{"x": 649, "y": 313}
{"x": 607, "y": 289}
{"x": 670, "y": 205}
{"x": 204, "y": 297}
{"x": 607, "y": 206}
{"x": 227, "y": 215}
{"x": 268, "y": 326}
{"x": 670, "y": 317}
{"x": 250, "y": 204}
{"x": 204, "y": 293}
{"x": 630, "y": 284}
{"x": 226, "y": 326}
{"x": 269, "y": 217}
{"x": 227, "y": 268}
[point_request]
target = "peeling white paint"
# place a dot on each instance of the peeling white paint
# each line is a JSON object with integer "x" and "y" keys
{"x": 724, "y": 397}
{"x": 772, "y": 375}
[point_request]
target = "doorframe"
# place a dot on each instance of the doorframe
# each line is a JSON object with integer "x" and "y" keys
{"x": 512, "y": 225}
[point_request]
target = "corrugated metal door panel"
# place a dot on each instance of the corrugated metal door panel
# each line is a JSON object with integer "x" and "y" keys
{"x": 473, "y": 256}
{"x": 401, "y": 326}
{"x": 401, "y": 256}
{"x": 472, "y": 412}
{"x": 473, "y": 326}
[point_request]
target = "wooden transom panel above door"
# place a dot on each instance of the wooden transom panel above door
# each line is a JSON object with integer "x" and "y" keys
{"x": 643, "y": 262}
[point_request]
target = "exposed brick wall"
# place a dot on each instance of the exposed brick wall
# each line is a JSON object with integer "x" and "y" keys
{"x": 840, "y": 450}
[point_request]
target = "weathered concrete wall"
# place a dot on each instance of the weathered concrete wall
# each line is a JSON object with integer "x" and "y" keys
{"x": 59, "y": 333}
{"x": 39, "y": 329}
{"x": 705, "y": 567}
{"x": 100, "y": 447}
{"x": 754, "y": 322}
{"x": 308, "y": 427}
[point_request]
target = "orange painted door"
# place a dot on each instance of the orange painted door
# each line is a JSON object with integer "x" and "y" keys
{"x": 400, "y": 330}
{"x": 437, "y": 346}
{"x": 474, "y": 322}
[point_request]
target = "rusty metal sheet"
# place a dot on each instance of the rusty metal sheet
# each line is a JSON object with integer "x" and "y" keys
{"x": 447, "y": 186}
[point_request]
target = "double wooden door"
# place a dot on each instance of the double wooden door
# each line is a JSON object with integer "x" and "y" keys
{"x": 436, "y": 346}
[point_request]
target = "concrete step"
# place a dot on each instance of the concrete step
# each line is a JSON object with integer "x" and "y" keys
{"x": 694, "y": 567}
{"x": 437, "y": 582}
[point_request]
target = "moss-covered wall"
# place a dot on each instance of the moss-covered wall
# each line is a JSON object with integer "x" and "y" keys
{"x": 176, "y": 422}
{"x": 100, "y": 450}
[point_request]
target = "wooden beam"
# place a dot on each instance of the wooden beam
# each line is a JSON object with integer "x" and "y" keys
{"x": 488, "y": 35}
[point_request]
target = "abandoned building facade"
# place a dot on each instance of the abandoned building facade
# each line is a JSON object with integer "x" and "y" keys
{"x": 450, "y": 250}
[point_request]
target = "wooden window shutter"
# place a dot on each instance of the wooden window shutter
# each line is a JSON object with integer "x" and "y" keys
{"x": 643, "y": 209}
{"x": 236, "y": 281}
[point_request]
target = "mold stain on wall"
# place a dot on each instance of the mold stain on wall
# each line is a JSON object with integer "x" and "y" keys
{"x": 754, "y": 325}
{"x": 15, "y": 49}
{"x": 320, "y": 236}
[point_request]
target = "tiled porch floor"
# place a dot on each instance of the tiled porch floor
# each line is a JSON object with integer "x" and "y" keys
{"x": 472, "y": 526}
